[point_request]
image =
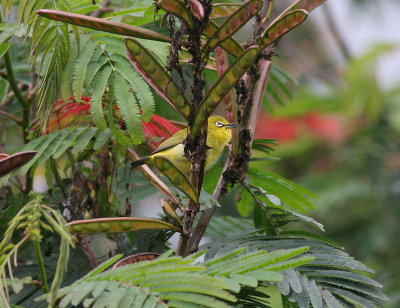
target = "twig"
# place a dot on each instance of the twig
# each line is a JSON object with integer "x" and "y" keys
{"x": 102, "y": 9}
{"x": 10, "y": 95}
{"x": 4, "y": 75}
{"x": 18, "y": 121}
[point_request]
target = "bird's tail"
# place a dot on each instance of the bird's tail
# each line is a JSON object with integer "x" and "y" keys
{"x": 139, "y": 162}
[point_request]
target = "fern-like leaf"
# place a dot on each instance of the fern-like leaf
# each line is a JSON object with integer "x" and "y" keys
{"x": 80, "y": 69}
{"x": 56, "y": 144}
{"x": 140, "y": 87}
{"x": 83, "y": 140}
{"x": 287, "y": 191}
{"x": 128, "y": 106}
{"x": 97, "y": 62}
{"x": 332, "y": 277}
{"x": 96, "y": 107}
{"x": 149, "y": 283}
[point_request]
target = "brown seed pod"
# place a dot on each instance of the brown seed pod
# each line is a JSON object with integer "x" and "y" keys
{"x": 9, "y": 163}
{"x": 139, "y": 257}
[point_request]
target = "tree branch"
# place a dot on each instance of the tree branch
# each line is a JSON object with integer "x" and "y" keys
{"x": 219, "y": 194}
{"x": 18, "y": 121}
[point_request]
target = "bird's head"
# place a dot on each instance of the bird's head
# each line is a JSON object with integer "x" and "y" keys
{"x": 220, "y": 129}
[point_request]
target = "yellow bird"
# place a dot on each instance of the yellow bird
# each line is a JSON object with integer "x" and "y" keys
{"x": 218, "y": 135}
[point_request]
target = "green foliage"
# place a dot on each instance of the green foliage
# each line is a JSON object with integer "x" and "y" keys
{"x": 333, "y": 273}
{"x": 177, "y": 282}
{"x": 56, "y": 144}
{"x": 268, "y": 188}
{"x": 279, "y": 87}
{"x": 60, "y": 59}
{"x": 34, "y": 218}
{"x": 128, "y": 105}
{"x": 51, "y": 46}
{"x": 96, "y": 68}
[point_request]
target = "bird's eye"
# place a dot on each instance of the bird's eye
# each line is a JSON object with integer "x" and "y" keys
{"x": 219, "y": 124}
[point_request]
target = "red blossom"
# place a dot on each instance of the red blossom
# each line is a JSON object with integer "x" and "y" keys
{"x": 281, "y": 129}
{"x": 73, "y": 113}
{"x": 330, "y": 128}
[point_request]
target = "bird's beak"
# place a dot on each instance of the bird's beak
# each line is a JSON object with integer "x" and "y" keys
{"x": 232, "y": 125}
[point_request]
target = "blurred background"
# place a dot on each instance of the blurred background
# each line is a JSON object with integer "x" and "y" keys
{"x": 339, "y": 128}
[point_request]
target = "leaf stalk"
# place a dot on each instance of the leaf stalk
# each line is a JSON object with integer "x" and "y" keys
{"x": 39, "y": 258}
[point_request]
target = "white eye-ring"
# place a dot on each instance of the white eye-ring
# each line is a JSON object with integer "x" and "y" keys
{"x": 219, "y": 124}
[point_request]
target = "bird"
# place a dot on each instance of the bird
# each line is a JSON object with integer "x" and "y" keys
{"x": 218, "y": 135}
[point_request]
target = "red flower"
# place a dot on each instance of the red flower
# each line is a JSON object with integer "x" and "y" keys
{"x": 70, "y": 113}
{"x": 281, "y": 129}
{"x": 73, "y": 113}
{"x": 330, "y": 128}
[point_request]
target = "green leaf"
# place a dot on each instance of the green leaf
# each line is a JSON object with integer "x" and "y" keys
{"x": 246, "y": 203}
{"x": 129, "y": 109}
{"x": 140, "y": 87}
{"x": 67, "y": 73}
{"x": 80, "y": 69}
{"x": 245, "y": 280}
{"x": 95, "y": 65}
{"x": 103, "y": 137}
{"x": 355, "y": 287}
{"x": 103, "y": 266}
{"x": 148, "y": 284}
{"x": 332, "y": 270}
{"x": 300, "y": 233}
{"x": 287, "y": 191}
{"x": 265, "y": 275}
{"x": 83, "y": 140}
{"x": 68, "y": 141}
{"x": 7, "y": 33}
{"x": 96, "y": 107}
{"x": 315, "y": 295}
{"x": 329, "y": 299}
{"x": 45, "y": 149}
{"x": 288, "y": 215}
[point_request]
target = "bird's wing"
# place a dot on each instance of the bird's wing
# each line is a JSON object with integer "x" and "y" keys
{"x": 172, "y": 141}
